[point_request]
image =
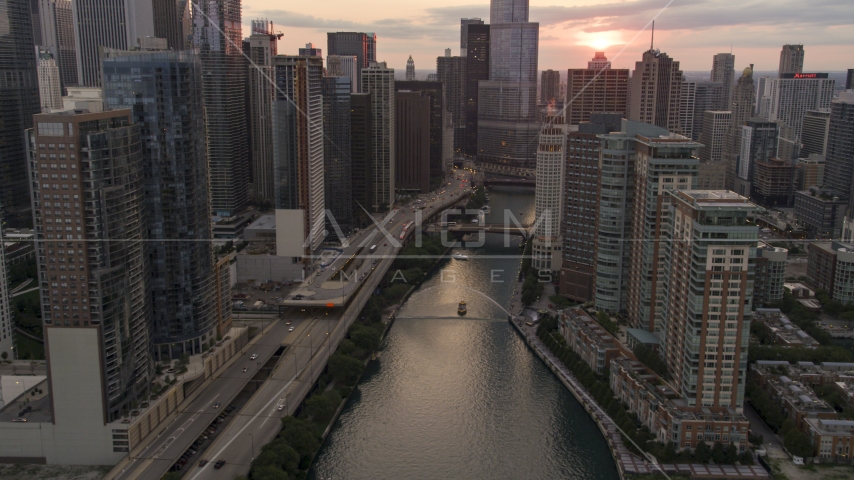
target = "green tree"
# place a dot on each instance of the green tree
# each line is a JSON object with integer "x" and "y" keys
{"x": 345, "y": 369}
{"x": 269, "y": 472}
{"x": 365, "y": 338}
{"x": 322, "y": 407}
{"x": 746, "y": 458}
{"x": 300, "y": 436}
{"x": 171, "y": 476}
{"x": 277, "y": 454}
{"x": 718, "y": 452}
{"x": 702, "y": 453}
{"x": 346, "y": 347}
{"x": 797, "y": 443}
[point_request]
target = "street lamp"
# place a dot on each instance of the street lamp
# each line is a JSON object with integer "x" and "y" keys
{"x": 252, "y": 442}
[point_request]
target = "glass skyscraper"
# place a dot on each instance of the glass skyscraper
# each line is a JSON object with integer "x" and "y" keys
{"x": 336, "y": 152}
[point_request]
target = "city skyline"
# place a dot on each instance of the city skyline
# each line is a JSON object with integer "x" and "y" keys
{"x": 570, "y": 34}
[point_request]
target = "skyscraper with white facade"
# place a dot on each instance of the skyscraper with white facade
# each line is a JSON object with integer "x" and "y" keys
{"x": 794, "y": 94}
{"x": 55, "y": 27}
{"x": 50, "y": 90}
{"x": 551, "y": 164}
{"x": 712, "y": 172}
{"x": 410, "y": 69}
{"x": 378, "y": 80}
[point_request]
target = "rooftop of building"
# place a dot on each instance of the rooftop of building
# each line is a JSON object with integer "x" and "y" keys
{"x": 264, "y": 222}
{"x": 827, "y": 426}
{"x": 779, "y": 324}
{"x": 799, "y": 395}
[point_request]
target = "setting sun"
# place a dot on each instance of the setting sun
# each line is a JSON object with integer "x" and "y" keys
{"x": 599, "y": 40}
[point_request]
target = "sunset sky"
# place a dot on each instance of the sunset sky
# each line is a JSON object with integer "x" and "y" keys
{"x": 690, "y": 31}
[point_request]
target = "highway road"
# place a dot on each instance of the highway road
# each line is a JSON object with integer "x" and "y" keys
{"x": 176, "y": 437}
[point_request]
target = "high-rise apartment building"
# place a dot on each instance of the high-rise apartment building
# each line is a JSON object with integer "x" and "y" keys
{"x": 712, "y": 172}
{"x": 164, "y": 92}
{"x": 770, "y": 275}
{"x": 298, "y": 158}
{"x": 378, "y": 80}
{"x": 89, "y": 214}
{"x": 507, "y": 103}
{"x": 19, "y": 100}
{"x": 814, "y": 133}
{"x": 362, "y": 45}
{"x": 117, "y": 24}
{"x": 362, "y": 157}
{"x": 773, "y": 182}
{"x": 743, "y": 99}
{"x": 450, "y": 71}
{"x": 839, "y": 167}
{"x": 665, "y": 162}
{"x": 707, "y": 95}
{"x": 656, "y": 91}
{"x": 597, "y": 88}
{"x": 410, "y": 69}
{"x": 707, "y": 244}
{"x": 581, "y": 206}
{"x": 687, "y": 109}
{"x": 723, "y": 71}
{"x": 759, "y": 140}
{"x": 794, "y": 94}
{"x": 337, "y": 163}
{"x": 550, "y": 88}
{"x": 435, "y": 94}
{"x": 464, "y": 33}
{"x": 548, "y": 201}
{"x": 262, "y": 49}
{"x": 619, "y": 152}
{"x": 217, "y": 33}
{"x": 476, "y": 67}
{"x": 412, "y": 142}
{"x": 345, "y": 66}
{"x": 6, "y": 339}
{"x": 50, "y": 89}
{"x": 791, "y": 60}
{"x": 55, "y": 27}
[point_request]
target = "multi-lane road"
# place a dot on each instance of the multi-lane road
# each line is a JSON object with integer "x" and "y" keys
{"x": 315, "y": 335}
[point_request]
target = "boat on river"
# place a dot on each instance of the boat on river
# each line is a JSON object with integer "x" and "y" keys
{"x": 485, "y": 209}
{"x": 459, "y": 256}
{"x": 461, "y": 309}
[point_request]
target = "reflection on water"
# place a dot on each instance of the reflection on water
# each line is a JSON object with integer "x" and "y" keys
{"x": 463, "y": 397}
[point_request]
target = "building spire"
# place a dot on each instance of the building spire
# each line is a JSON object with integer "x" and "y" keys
{"x": 652, "y": 38}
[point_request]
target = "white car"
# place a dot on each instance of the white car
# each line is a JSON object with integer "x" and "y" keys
{"x": 291, "y": 329}
{"x": 254, "y": 356}
{"x": 280, "y": 408}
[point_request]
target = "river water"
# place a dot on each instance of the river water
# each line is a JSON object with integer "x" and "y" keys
{"x": 463, "y": 397}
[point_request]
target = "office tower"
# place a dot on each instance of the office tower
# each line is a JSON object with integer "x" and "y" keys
{"x": 712, "y": 172}
{"x": 809, "y": 172}
{"x": 507, "y": 125}
{"x": 217, "y": 34}
{"x": 550, "y": 89}
{"x": 759, "y": 140}
{"x": 55, "y": 24}
{"x": 451, "y": 72}
{"x": 435, "y": 93}
{"x": 707, "y": 243}
{"x": 336, "y": 153}
{"x": 814, "y": 133}
{"x": 362, "y": 157}
{"x": 619, "y": 152}
{"x": 663, "y": 163}
{"x": 164, "y": 92}
{"x": 581, "y": 206}
{"x": 597, "y": 88}
{"x": 464, "y": 33}
{"x": 743, "y": 97}
{"x": 839, "y": 169}
{"x": 172, "y": 21}
{"x": 262, "y": 49}
{"x": 723, "y": 72}
{"x": 19, "y": 100}
{"x": 298, "y": 155}
{"x": 793, "y": 95}
{"x": 548, "y": 200}
{"x": 362, "y": 45}
{"x": 476, "y": 69}
{"x": 6, "y": 339}
{"x": 707, "y": 96}
{"x": 656, "y": 91}
{"x": 770, "y": 275}
{"x": 410, "y": 69}
{"x": 687, "y": 109}
{"x": 762, "y": 102}
{"x": 378, "y": 80}
{"x": 310, "y": 51}
{"x": 849, "y": 79}
{"x": 791, "y": 60}
{"x": 412, "y": 142}
{"x": 50, "y": 90}
{"x": 93, "y": 280}
{"x": 344, "y": 66}
{"x": 773, "y": 182}
{"x": 117, "y": 24}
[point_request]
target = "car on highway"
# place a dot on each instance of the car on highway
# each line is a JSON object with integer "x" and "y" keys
{"x": 291, "y": 329}
{"x": 280, "y": 408}
{"x": 203, "y": 462}
{"x": 19, "y": 419}
{"x": 244, "y": 369}
{"x": 216, "y": 405}
{"x": 254, "y": 356}
{"x": 219, "y": 464}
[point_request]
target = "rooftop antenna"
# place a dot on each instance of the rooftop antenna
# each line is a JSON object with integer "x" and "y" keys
{"x": 652, "y": 38}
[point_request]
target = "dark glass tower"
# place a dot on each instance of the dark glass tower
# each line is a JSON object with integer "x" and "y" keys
{"x": 19, "y": 100}
{"x": 434, "y": 92}
{"x": 476, "y": 69}
{"x": 217, "y": 34}
{"x": 336, "y": 153}
{"x": 362, "y": 45}
{"x": 163, "y": 90}
{"x": 362, "y": 156}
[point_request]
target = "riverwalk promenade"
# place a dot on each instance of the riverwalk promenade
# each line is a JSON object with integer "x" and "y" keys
{"x": 628, "y": 463}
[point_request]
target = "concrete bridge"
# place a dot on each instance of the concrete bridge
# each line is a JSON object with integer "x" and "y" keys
{"x": 509, "y": 182}
{"x": 524, "y": 231}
